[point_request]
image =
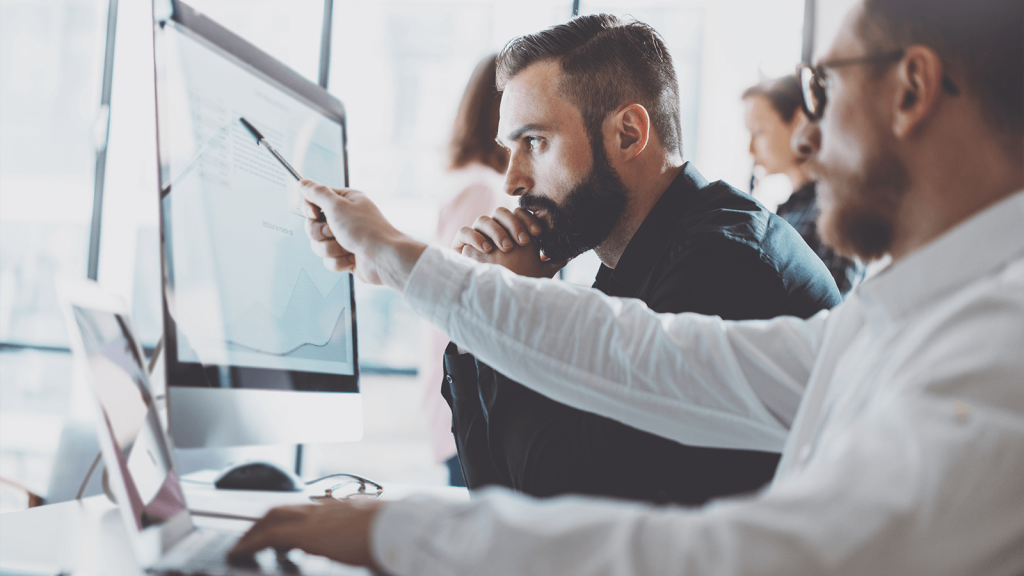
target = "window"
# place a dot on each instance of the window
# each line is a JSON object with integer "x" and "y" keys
{"x": 51, "y": 63}
{"x": 51, "y": 58}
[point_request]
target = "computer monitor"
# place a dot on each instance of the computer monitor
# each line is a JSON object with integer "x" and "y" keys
{"x": 260, "y": 338}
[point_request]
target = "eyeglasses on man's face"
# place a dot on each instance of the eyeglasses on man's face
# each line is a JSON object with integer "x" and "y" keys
{"x": 814, "y": 80}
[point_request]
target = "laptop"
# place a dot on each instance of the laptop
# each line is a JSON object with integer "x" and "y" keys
{"x": 138, "y": 453}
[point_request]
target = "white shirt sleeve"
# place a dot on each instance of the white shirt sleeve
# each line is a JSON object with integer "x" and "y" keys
{"x": 695, "y": 379}
{"x": 915, "y": 469}
{"x": 922, "y": 480}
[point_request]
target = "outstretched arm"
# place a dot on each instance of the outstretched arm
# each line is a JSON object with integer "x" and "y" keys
{"x": 887, "y": 496}
{"x": 610, "y": 356}
{"x": 695, "y": 379}
{"x": 919, "y": 475}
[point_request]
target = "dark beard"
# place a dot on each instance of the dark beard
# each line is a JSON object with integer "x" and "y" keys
{"x": 863, "y": 210}
{"x": 588, "y": 214}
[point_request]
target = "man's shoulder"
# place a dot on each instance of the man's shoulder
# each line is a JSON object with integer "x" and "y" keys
{"x": 728, "y": 222}
{"x": 723, "y": 215}
{"x": 967, "y": 341}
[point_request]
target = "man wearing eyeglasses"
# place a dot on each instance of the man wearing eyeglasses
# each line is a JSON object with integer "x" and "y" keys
{"x": 907, "y": 452}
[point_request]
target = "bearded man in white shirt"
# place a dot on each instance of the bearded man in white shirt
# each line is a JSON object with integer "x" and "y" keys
{"x": 901, "y": 411}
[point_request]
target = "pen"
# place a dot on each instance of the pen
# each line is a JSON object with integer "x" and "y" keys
{"x": 261, "y": 140}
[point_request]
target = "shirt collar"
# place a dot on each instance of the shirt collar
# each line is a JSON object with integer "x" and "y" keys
{"x": 805, "y": 192}
{"x": 969, "y": 251}
{"x": 651, "y": 239}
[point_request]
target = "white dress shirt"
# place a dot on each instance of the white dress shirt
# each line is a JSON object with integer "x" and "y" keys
{"x": 906, "y": 405}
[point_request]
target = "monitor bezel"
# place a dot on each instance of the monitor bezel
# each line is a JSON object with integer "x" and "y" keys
{"x": 193, "y": 23}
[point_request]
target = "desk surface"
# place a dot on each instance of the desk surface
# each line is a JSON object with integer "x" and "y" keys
{"x": 87, "y": 536}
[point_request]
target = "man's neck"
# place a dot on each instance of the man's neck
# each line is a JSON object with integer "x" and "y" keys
{"x": 950, "y": 190}
{"x": 644, "y": 194}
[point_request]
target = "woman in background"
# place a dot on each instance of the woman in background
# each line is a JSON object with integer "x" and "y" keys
{"x": 478, "y": 165}
{"x": 773, "y": 113}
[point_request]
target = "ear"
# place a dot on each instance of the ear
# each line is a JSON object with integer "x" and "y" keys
{"x": 918, "y": 86}
{"x": 806, "y": 139}
{"x": 627, "y": 132}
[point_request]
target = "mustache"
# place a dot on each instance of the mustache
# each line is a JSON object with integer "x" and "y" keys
{"x": 533, "y": 203}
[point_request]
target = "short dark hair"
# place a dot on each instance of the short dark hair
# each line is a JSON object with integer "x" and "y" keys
{"x": 784, "y": 94}
{"x": 606, "y": 62}
{"x": 980, "y": 42}
{"x": 476, "y": 122}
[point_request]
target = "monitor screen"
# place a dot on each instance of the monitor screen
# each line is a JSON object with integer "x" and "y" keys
{"x": 118, "y": 378}
{"x": 247, "y": 302}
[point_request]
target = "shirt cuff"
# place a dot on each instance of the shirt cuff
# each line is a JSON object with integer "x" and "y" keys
{"x": 436, "y": 283}
{"x": 397, "y": 536}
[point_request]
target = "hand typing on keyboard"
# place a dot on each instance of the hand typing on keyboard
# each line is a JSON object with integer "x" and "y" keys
{"x": 339, "y": 530}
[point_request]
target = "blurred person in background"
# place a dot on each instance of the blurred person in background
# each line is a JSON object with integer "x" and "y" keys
{"x": 477, "y": 164}
{"x": 773, "y": 115}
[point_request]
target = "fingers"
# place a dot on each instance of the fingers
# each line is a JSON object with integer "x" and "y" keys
{"x": 271, "y": 530}
{"x": 531, "y": 221}
{"x": 339, "y": 531}
{"x": 326, "y": 199}
{"x": 318, "y": 195}
{"x": 328, "y": 249}
{"x": 474, "y": 254}
{"x": 490, "y": 228}
{"x": 470, "y": 237}
{"x": 324, "y": 245}
{"x": 318, "y": 231}
{"x": 519, "y": 224}
{"x": 342, "y": 264}
{"x": 336, "y": 258}
{"x": 311, "y": 211}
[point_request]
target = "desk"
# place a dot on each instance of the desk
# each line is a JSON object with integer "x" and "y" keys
{"x": 87, "y": 536}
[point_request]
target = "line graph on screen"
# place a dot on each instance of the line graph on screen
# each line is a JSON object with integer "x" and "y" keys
{"x": 311, "y": 325}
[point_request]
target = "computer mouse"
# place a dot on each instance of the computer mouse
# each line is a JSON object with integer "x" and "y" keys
{"x": 258, "y": 476}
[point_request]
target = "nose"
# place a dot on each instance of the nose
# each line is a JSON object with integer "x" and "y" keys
{"x": 751, "y": 149}
{"x": 806, "y": 140}
{"x": 518, "y": 179}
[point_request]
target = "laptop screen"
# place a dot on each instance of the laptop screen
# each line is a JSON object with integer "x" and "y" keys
{"x": 118, "y": 378}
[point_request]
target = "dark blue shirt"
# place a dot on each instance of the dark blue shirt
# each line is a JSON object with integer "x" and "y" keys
{"x": 705, "y": 248}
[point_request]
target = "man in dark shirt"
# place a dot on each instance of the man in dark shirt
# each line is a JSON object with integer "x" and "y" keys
{"x": 705, "y": 248}
{"x": 601, "y": 92}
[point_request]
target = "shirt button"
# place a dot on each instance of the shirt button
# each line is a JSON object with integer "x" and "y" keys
{"x": 805, "y": 453}
{"x": 448, "y": 377}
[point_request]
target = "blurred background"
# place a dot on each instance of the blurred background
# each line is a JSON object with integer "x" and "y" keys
{"x": 78, "y": 173}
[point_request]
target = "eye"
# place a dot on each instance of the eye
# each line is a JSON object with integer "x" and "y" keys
{"x": 532, "y": 143}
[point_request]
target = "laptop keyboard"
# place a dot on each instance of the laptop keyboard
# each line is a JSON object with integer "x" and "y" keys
{"x": 205, "y": 552}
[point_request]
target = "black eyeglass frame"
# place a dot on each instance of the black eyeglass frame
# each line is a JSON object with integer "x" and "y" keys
{"x": 813, "y": 79}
